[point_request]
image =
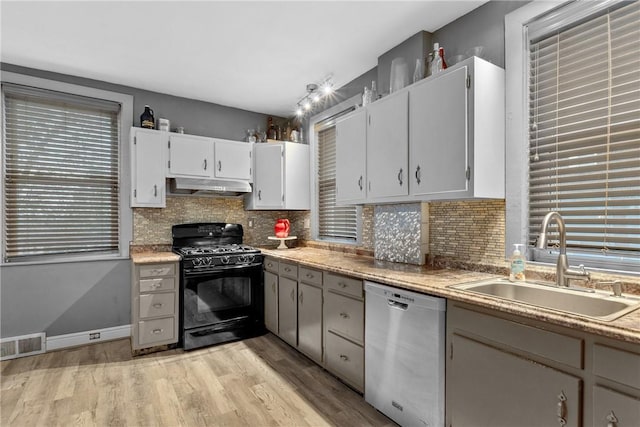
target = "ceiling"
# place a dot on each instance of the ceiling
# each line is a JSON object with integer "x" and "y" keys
{"x": 253, "y": 55}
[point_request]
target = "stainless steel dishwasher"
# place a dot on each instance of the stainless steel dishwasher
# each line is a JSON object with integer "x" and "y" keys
{"x": 405, "y": 355}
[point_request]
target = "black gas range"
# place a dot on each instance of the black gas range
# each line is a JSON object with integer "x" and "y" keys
{"x": 221, "y": 284}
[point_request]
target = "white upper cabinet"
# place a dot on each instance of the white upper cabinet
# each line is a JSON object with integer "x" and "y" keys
{"x": 439, "y": 139}
{"x": 456, "y": 133}
{"x": 232, "y": 160}
{"x": 147, "y": 168}
{"x": 281, "y": 177}
{"x": 190, "y": 156}
{"x": 351, "y": 161}
{"x": 438, "y": 143}
{"x": 387, "y": 148}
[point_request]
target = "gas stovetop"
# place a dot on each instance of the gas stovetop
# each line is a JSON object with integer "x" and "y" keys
{"x": 232, "y": 249}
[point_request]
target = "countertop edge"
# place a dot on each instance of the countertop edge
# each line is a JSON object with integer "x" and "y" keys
{"x": 613, "y": 329}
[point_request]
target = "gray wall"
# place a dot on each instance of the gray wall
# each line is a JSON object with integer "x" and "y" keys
{"x": 64, "y": 298}
{"x": 197, "y": 117}
{"x": 483, "y": 26}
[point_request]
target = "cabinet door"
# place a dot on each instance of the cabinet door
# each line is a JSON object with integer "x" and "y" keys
{"x": 271, "y": 301}
{"x": 232, "y": 160}
{"x": 147, "y": 168}
{"x": 351, "y": 149}
{"x": 190, "y": 156}
{"x": 614, "y": 409}
{"x": 288, "y": 310}
{"x": 310, "y": 321}
{"x": 387, "y": 147}
{"x": 268, "y": 181}
{"x": 438, "y": 135}
{"x": 490, "y": 387}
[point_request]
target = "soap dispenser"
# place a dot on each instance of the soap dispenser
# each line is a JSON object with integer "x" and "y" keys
{"x": 517, "y": 264}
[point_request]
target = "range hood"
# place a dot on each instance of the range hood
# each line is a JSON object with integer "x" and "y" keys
{"x": 203, "y": 187}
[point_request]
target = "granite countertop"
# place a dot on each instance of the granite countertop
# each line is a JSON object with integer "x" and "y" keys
{"x": 154, "y": 257}
{"x": 436, "y": 281}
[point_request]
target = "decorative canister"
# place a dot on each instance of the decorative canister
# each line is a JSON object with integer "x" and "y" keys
{"x": 282, "y": 228}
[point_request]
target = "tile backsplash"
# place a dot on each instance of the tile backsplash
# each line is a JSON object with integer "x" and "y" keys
{"x": 471, "y": 231}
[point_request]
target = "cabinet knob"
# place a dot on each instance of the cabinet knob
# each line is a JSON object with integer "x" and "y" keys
{"x": 418, "y": 175}
{"x": 300, "y": 297}
{"x": 205, "y": 164}
{"x": 157, "y": 305}
{"x": 293, "y": 295}
{"x": 259, "y": 194}
{"x": 157, "y": 331}
{"x": 344, "y": 315}
{"x": 219, "y": 165}
{"x": 344, "y": 357}
{"x": 562, "y": 409}
{"x": 309, "y": 276}
{"x": 400, "y": 177}
{"x": 342, "y": 285}
{"x": 155, "y": 190}
{"x": 612, "y": 421}
{"x": 360, "y": 183}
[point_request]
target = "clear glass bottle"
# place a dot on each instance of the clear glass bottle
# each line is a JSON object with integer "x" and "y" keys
{"x": 417, "y": 73}
{"x": 436, "y": 62}
{"x": 374, "y": 91}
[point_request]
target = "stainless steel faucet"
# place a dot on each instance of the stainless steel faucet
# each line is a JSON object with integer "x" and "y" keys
{"x": 563, "y": 272}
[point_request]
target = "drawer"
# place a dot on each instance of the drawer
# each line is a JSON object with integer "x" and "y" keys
{"x": 154, "y": 270}
{"x": 344, "y": 316}
{"x": 310, "y": 276}
{"x": 154, "y": 305}
{"x": 288, "y": 270}
{"x": 345, "y": 359}
{"x": 157, "y": 330}
{"x": 271, "y": 265}
{"x": 617, "y": 365}
{"x": 343, "y": 284}
{"x": 551, "y": 345}
{"x": 158, "y": 284}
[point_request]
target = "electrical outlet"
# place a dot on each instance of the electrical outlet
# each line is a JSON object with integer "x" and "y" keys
{"x": 252, "y": 222}
{"x": 307, "y": 223}
{"x": 94, "y": 336}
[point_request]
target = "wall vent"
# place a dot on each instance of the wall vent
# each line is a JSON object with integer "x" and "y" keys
{"x": 25, "y": 345}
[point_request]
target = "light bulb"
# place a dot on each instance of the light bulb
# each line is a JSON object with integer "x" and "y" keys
{"x": 327, "y": 88}
{"x": 307, "y": 105}
{"x": 299, "y": 112}
{"x": 315, "y": 97}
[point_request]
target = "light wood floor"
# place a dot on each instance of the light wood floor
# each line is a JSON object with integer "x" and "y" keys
{"x": 256, "y": 382}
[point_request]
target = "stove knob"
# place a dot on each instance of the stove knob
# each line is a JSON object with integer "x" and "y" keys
{"x": 250, "y": 258}
{"x": 209, "y": 260}
{"x": 225, "y": 259}
{"x": 196, "y": 262}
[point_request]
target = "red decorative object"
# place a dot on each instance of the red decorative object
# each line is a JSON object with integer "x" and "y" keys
{"x": 282, "y": 227}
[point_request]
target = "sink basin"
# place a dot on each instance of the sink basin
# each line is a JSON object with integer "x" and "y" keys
{"x": 596, "y": 304}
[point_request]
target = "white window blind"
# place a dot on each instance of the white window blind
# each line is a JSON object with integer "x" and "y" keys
{"x": 334, "y": 222}
{"x": 61, "y": 174}
{"x": 584, "y": 117}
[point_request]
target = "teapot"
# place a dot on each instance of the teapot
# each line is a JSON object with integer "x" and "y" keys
{"x": 282, "y": 228}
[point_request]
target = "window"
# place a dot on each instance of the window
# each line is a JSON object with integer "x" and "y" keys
{"x": 582, "y": 157}
{"x": 337, "y": 223}
{"x": 61, "y": 176}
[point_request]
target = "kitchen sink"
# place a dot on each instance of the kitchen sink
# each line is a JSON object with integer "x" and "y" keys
{"x": 596, "y": 304}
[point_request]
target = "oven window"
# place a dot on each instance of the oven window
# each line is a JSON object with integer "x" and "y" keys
{"x": 223, "y": 293}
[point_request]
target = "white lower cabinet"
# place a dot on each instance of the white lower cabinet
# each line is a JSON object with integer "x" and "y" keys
{"x": 504, "y": 370}
{"x": 154, "y": 304}
{"x": 320, "y": 314}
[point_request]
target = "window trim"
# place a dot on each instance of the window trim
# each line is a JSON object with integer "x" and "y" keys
{"x": 342, "y": 107}
{"x": 126, "y": 121}
{"x": 516, "y": 131}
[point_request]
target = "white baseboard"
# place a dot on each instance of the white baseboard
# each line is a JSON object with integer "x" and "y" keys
{"x": 58, "y": 342}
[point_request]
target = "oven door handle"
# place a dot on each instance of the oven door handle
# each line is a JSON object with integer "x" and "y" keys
{"x": 220, "y": 269}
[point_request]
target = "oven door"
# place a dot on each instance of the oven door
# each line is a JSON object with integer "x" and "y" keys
{"x": 224, "y": 304}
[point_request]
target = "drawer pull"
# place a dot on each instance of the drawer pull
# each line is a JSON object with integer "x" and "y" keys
{"x": 344, "y": 315}
{"x": 273, "y": 287}
{"x": 344, "y": 357}
{"x": 300, "y": 298}
{"x": 269, "y": 264}
{"x": 156, "y": 285}
{"x": 287, "y": 269}
{"x": 342, "y": 285}
{"x": 157, "y": 331}
{"x": 293, "y": 295}
{"x": 612, "y": 421}
{"x": 309, "y": 276}
{"x": 157, "y": 305}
